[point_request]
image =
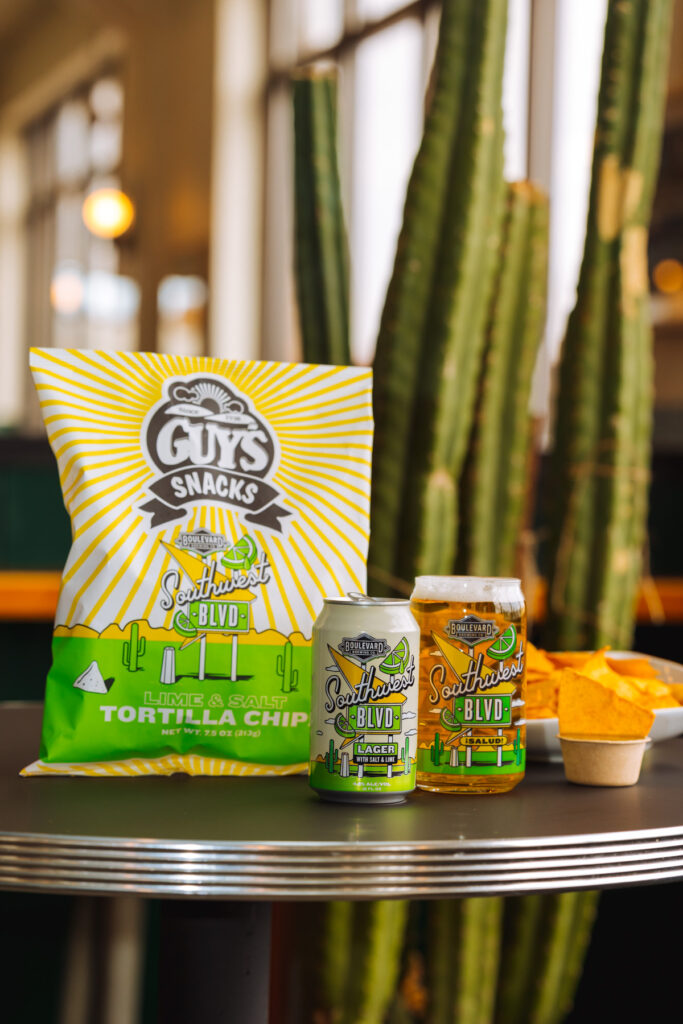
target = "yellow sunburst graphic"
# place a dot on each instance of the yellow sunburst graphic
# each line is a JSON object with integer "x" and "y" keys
{"x": 97, "y": 407}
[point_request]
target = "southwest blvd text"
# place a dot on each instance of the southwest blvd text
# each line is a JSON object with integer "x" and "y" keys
{"x": 366, "y": 689}
{"x": 472, "y": 680}
{"x": 207, "y": 586}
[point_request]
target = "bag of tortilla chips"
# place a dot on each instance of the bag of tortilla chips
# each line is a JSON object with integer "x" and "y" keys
{"x": 213, "y": 505}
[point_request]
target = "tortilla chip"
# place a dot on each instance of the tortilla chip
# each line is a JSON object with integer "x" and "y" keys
{"x": 597, "y": 668}
{"x": 640, "y": 667}
{"x": 536, "y": 661}
{"x": 654, "y": 693}
{"x": 589, "y": 708}
{"x": 568, "y": 659}
{"x": 535, "y": 711}
{"x": 543, "y": 691}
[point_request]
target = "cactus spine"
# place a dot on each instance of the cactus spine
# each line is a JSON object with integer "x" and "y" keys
{"x": 602, "y": 447}
{"x": 290, "y": 676}
{"x": 464, "y": 938}
{"x": 133, "y": 649}
{"x": 320, "y": 244}
{"x": 495, "y": 482}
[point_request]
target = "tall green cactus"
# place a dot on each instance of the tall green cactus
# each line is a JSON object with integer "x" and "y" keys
{"x": 320, "y": 243}
{"x": 406, "y": 310}
{"x": 494, "y": 485}
{"x": 464, "y": 946}
{"x": 452, "y": 345}
{"x": 545, "y": 940}
{"x": 133, "y": 649}
{"x": 377, "y": 942}
{"x": 602, "y": 449}
{"x": 336, "y": 952}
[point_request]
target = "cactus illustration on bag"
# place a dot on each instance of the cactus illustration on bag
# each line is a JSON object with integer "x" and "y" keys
{"x": 288, "y": 674}
{"x": 133, "y": 649}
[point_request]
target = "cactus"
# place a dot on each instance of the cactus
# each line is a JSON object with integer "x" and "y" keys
{"x": 602, "y": 449}
{"x": 494, "y": 484}
{"x": 377, "y": 937}
{"x": 464, "y": 941}
{"x": 401, "y": 333}
{"x": 336, "y": 951}
{"x": 517, "y": 748}
{"x": 290, "y": 677}
{"x": 406, "y": 757}
{"x": 133, "y": 649}
{"x": 331, "y": 758}
{"x": 320, "y": 245}
{"x": 437, "y": 748}
{"x": 547, "y": 939}
{"x": 454, "y": 331}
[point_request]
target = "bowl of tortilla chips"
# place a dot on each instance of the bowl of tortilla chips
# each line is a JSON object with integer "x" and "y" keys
{"x": 618, "y": 695}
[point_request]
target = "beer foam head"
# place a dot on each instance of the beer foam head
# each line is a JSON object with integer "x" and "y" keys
{"x": 465, "y": 588}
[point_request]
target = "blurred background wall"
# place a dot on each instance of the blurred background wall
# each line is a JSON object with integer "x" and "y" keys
{"x": 146, "y": 202}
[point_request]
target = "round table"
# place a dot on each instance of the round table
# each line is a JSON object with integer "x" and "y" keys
{"x": 272, "y": 838}
{"x": 264, "y": 839}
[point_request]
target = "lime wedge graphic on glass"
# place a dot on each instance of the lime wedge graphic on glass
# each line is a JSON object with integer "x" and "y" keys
{"x": 398, "y": 659}
{"x": 242, "y": 555}
{"x": 505, "y": 645}
{"x": 342, "y": 727}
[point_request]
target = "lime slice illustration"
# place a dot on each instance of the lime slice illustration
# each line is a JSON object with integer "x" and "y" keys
{"x": 243, "y": 555}
{"x": 505, "y": 645}
{"x": 183, "y": 625}
{"x": 398, "y": 659}
{"x": 342, "y": 727}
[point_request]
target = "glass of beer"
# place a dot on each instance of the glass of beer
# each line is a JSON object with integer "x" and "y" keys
{"x": 471, "y": 725}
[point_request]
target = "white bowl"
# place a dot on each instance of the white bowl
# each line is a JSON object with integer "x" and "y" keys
{"x": 541, "y": 733}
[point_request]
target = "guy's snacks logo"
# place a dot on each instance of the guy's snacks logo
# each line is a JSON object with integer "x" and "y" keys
{"x": 206, "y": 443}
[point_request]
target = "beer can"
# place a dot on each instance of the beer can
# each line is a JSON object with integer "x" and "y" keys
{"x": 471, "y": 731}
{"x": 364, "y": 700}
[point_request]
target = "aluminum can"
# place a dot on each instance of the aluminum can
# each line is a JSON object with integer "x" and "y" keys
{"x": 364, "y": 700}
{"x": 471, "y": 732}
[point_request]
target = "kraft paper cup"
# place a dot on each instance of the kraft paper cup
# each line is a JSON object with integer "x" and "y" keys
{"x": 602, "y": 762}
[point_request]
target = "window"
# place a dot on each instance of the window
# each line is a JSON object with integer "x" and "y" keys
{"x": 76, "y": 296}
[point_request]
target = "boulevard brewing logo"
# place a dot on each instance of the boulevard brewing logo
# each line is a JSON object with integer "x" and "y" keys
{"x": 364, "y": 647}
{"x": 209, "y": 446}
{"x": 471, "y": 630}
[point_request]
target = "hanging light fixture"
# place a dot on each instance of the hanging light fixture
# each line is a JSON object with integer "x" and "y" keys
{"x": 108, "y": 212}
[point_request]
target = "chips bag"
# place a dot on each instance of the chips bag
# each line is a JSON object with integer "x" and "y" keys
{"x": 213, "y": 505}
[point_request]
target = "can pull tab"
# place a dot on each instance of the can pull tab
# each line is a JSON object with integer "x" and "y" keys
{"x": 355, "y": 595}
